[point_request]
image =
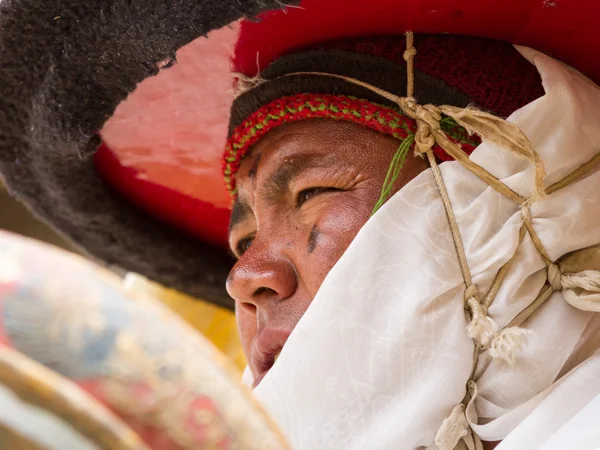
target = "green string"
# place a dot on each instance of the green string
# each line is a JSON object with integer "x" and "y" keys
{"x": 394, "y": 171}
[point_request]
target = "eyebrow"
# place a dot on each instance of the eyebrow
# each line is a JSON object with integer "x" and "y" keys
{"x": 279, "y": 182}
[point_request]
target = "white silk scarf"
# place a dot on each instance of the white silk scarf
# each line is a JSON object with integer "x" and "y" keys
{"x": 381, "y": 358}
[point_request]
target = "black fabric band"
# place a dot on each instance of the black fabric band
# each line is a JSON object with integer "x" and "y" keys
{"x": 377, "y": 71}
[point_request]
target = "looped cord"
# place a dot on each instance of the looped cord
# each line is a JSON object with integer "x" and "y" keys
{"x": 424, "y": 141}
{"x": 409, "y": 53}
{"x": 555, "y": 277}
{"x": 482, "y": 329}
{"x": 471, "y": 293}
{"x": 507, "y": 136}
{"x": 435, "y": 113}
{"x": 588, "y": 280}
{"x": 409, "y": 56}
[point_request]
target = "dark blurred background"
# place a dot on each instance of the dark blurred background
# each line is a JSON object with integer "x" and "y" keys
{"x": 15, "y": 217}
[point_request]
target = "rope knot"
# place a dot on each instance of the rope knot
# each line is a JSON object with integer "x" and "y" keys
{"x": 424, "y": 141}
{"x": 434, "y": 112}
{"x": 482, "y": 329}
{"x": 409, "y": 105}
{"x": 555, "y": 277}
{"x": 409, "y": 53}
{"x": 427, "y": 114}
{"x": 526, "y": 213}
{"x": 471, "y": 293}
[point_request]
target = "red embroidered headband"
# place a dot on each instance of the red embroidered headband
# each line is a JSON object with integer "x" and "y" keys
{"x": 450, "y": 70}
{"x": 299, "y": 107}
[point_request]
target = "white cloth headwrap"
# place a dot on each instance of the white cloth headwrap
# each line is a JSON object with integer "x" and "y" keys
{"x": 381, "y": 358}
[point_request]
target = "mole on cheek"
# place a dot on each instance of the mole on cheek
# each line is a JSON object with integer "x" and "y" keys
{"x": 312, "y": 239}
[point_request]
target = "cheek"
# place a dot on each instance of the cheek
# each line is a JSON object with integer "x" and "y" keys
{"x": 336, "y": 226}
{"x": 340, "y": 223}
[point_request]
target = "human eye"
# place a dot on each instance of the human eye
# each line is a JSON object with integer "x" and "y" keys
{"x": 306, "y": 194}
{"x": 243, "y": 245}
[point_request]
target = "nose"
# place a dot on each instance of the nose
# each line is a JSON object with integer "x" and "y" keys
{"x": 261, "y": 277}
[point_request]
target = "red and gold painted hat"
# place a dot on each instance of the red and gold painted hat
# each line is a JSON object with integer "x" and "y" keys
{"x": 120, "y": 120}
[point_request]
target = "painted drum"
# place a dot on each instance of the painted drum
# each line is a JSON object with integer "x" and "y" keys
{"x": 86, "y": 365}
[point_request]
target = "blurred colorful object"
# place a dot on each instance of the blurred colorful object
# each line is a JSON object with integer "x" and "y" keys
{"x": 85, "y": 365}
{"x": 215, "y": 323}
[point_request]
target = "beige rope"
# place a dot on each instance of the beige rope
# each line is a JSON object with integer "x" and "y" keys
{"x": 573, "y": 176}
{"x": 460, "y": 156}
{"x": 469, "y": 118}
{"x": 424, "y": 141}
{"x": 462, "y": 257}
{"x": 527, "y": 312}
{"x": 554, "y": 277}
{"x": 243, "y": 83}
{"x": 537, "y": 242}
{"x": 491, "y": 295}
{"x": 588, "y": 280}
{"x": 409, "y": 57}
{"x": 482, "y": 329}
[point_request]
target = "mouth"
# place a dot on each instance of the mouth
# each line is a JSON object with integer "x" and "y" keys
{"x": 266, "y": 349}
{"x": 263, "y": 365}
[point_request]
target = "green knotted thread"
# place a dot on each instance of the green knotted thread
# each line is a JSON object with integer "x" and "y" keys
{"x": 394, "y": 171}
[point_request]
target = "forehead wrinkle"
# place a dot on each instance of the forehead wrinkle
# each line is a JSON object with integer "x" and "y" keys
{"x": 290, "y": 143}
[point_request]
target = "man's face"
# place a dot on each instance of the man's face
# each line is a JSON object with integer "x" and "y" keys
{"x": 303, "y": 193}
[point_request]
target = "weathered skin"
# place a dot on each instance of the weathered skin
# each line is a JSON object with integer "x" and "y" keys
{"x": 293, "y": 245}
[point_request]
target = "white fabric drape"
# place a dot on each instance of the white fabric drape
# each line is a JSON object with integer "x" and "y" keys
{"x": 382, "y": 357}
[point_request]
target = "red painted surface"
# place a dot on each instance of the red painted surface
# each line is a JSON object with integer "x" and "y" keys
{"x": 190, "y": 214}
{"x": 167, "y": 138}
{"x": 153, "y": 437}
{"x": 162, "y": 147}
{"x": 567, "y": 29}
{"x": 152, "y": 404}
